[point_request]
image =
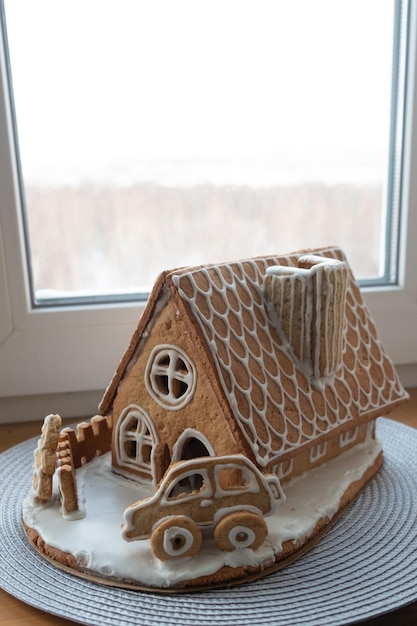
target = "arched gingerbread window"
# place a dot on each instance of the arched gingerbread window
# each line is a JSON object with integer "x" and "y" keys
{"x": 135, "y": 440}
{"x": 170, "y": 376}
{"x": 192, "y": 444}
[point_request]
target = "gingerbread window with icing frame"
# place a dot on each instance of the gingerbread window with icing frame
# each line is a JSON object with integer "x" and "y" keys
{"x": 170, "y": 376}
{"x": 135, "y": 440}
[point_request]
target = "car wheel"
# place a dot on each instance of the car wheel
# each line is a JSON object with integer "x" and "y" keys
{"x": 240, "y": 530}
{"x": 175, "y": 538}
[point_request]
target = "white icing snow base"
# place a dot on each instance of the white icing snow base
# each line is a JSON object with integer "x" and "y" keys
{"x": 97, "y": 543}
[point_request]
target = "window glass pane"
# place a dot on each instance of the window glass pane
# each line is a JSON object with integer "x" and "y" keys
{"x": 155, "y": 134}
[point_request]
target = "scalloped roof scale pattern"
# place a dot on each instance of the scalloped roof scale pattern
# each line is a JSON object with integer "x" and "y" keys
{"x": 277, "y": 404}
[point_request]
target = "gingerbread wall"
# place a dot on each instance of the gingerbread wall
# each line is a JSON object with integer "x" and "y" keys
{"x": 201, "y": 410}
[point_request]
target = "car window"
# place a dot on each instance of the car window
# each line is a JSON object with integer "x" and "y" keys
{"x": 236, "y": 479}
{"x": 186, "y": 486}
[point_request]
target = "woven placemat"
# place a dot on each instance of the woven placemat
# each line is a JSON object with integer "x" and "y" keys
{"x": 365, "y": 566}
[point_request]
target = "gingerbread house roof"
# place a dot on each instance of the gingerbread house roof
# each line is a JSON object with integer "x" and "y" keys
{"x": 276, "y": 403}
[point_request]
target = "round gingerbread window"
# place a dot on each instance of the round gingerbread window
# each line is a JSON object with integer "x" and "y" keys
{"x": 170, "y": 376}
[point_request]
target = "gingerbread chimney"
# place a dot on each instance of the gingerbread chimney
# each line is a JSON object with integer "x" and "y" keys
{"x": 309, "y": 304}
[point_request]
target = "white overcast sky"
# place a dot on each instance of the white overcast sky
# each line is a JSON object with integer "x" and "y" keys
{"x": 101, "y": 80}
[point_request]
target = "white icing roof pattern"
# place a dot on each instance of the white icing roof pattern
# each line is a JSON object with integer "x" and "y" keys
{"x": 277, "y": 406}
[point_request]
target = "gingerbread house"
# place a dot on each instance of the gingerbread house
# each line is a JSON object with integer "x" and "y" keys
{"x": 274, "y": 357}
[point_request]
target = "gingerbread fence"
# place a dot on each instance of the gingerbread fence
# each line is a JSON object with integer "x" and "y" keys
{"x": 90, "y": 440}
{"x": 75, "y": 448}
{"x": 62, "y": 452}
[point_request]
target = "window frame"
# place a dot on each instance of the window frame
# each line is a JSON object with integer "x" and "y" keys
{"x": 74, "y": 350}
{"x": 170, "y": 398}
{"x": 136, "y": 462}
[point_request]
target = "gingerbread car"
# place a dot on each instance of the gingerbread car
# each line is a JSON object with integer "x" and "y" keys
{"x": 226, "y": 493}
